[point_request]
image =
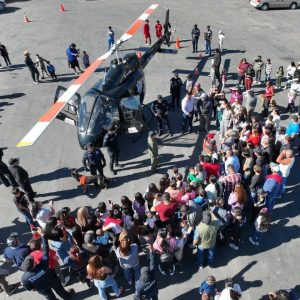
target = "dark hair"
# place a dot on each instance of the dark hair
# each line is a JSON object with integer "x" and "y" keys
{"x": 138, "y": 197}
{"x": 166, "y": 197}
{"x": 152, "y": 188}
{"x": 207, "y": 159}
{"x": 101, "y": 207}
{"x": 77, "y": 235}
{"x": 57, "y": 234}
{"x": 50, "y": 225}
{"x": 213, "y": 179}
{"x": 35, "y": 245}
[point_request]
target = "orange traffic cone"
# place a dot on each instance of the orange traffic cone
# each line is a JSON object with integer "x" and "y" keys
{"x": 196, "y": 72}
{"x": 62, "y": 8}
{"x": 26, "y": 20}
{"x": 139, "y": 54}
{"x": 177, "y": 43}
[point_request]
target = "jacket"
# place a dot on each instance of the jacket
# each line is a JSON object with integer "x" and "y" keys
{"x": 110, "y": 141}
{"x": 21, "y": 175}
{"x": 95, "y": 158}
{"x": 160, "y": 108}
{"x": 258, "y": 64}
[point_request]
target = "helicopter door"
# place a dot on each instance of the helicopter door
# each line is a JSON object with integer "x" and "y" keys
{"x": 131, "y": 107}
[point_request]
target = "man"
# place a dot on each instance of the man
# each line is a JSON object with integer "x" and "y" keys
{"x": 5, "y": 175}
{"x": 231, "y": 159}
{"x": 146, "y": 288}
{"x": 73, "y": 54}
{"x": 206, "y": 109}
{"x": 94, "y": 159}
{"x": 160, "y": 108}
{"x": 258, "y": 65}
{"x": 230, "y": 181}
{"x": 147, "y": 35}
{"x": 187, "y": 106}
{"x": 40, "y": 278}
{"x": 31, "y": 67}
{"x": 15, "y": 251}
{"x": 153, "y": 151}
{"x": 40, "y": 62}
{"x": 195, "y": 38}
{"x": 217, "y": 63}
{"x": 221, "y": 37}
{"x": 110, "y": 37}
{"x": 205, "y": 238}
{"x": 111, "y": 143}
{"x": 175, "y": 86}
{"x": 22, "y": 178}
{"x": 250, "y": 101}
{"x": 192, "y": 213}
{"x": 158, "y": 29}
{"x": 197, "y": 101}
{"x": 293, "y": 127}
{"x": 207, "y": 40}
{"x": 4, "y": 54}
{"x": 166, "y": 210}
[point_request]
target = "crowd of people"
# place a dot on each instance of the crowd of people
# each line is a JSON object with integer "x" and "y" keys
{"x": 242, "y": 171}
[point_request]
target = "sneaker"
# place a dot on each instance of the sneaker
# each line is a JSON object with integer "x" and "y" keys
{"x": 252, "y": 241}
{"x": 234, "y": 247}
{"x": 36, "y": 82}
{"x": 161, "y": 271}
{"x": 67, "y": 279}
{"x": 172, "y": 271}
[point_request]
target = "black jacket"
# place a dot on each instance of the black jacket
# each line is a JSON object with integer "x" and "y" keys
{"x": 160, "y": 108}
{"x": 111, "y": 142}
{"x": 95, "y": 158}
{"x": 175, "y": 85}
{"x": 20, "y": 174}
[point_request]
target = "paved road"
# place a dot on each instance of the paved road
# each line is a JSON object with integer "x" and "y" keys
{"x": 248, "y": 32}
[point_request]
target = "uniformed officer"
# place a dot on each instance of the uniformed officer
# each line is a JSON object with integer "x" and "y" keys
{"x": 95, "y": 160}
{"x": 160, "y": 108}
{"x": 111, "y": 143}
{"x": 21, "y": 177}
{"x": 175, "y": 86}
{"x": 153, "y": 151}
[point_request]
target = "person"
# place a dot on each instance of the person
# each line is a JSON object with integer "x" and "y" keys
{"x": 175, "y": 87}
{"x": 209, "y": 287}
{"x": 166, "y": 209}
{"x": 227, "y": 120}
{"x": 51, "y": 70}
{"x": 249, "y": 74}
{"x": 242, "y": 68}
{"x": 73, "y": 54}
{"x": 232, "y": 291}
{"x": 250, "y": 101}
{"x": 147, "y": 35}
{"x": 41, "y": 278}
{"x": 238, "y": 197}
{"x": 110, "y": 37}
{"x": 268, "y": 70}
{"x": 290, "y": 71}
{"x": 5, "y": 175}
{"x": 206, "y": 109}
{"x": 195, "y": 37}
{"x": 293, "y": 127}
{"x": 128, "y": 256}
{"x": 42, "y": 214}
{"x": 15, "y": 251}
{"x": 4, "y": 54}
{"x": 85, "y": 59}
{"x": 231, "y": 159}
{"x": 153, "y": 151}
{"x": 258, "y": 65}
{"x": 160, "y": 108}
{"x": 279, "y": 76}
{"x": 102, "y": 277}
{"x": 207, "y": 40}
{"x": 283, "y": 295}
{"x": 267, "y": 97}
{"x": 292, "y": 95}
{"x": 205, "y": 237}
{"x": 147, "y": 286}
{"x": 189, "y": 84}
{"x": 158, "y": 29}
{"x": 94, "y": 159}
{"x": 40, "y": 62}
{"x": 187, "y": 106}
{"x": 217, "y": 63}
{"x": 111, "y": 143}
{"x": 221, "y": 37}
{"x": 223, "y": 79}
{"x": 35, "y": 75}
{"x": 22, "y": 178}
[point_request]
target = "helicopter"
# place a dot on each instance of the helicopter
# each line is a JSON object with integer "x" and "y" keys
{"x": 114, "y": 101}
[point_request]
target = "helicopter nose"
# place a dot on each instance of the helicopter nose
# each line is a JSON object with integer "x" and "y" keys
{"x": 85, "y": 139}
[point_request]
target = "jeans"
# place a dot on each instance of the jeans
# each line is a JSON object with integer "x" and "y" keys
{"x": 110, "y": 43}
{"x": 256, "y": 235}
{"x": 101, "y": 285}
{"x": 211, "y": 255}
{"x": 268, "y": 77}
{"x": 204, "y": 122}
{"x": 195, "y": 44}
{"x": 128, "y": 273}
{"x": 187, "y": 121}
{"x": 258, "y": 75}
{"x": 283, "y": 184}
{"x": 270, "y": 202}
{"x": 208, "y": 47}
{"x": 113, "y": 158}
{"x": 28, "y": 217}
{"x": 241, "y": 79}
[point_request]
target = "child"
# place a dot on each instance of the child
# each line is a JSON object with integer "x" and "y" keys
{"x": 209, "y": 287}
{"x": 223, "y": 79}
{"x": 291, "y": 101}
{"x": 279, "y": 76}
{"x": 85, "y": 59}
{"x": 174, "y": 173}
{"x": 150, "y": 221}
{"x": 268, "y": 69}
{"x": 51, "y": 70}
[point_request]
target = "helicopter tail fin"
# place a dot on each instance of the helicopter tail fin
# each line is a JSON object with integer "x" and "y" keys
{"x": 167, "y": 29}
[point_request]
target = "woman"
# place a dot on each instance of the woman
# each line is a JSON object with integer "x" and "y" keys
{"x": 227, "y": 119}
{"x": 101, "y": 277}
{"x": 128, "y": 256}
{"x": 236, "y": 95}
{"x": 254, "y": 138}
{"x": 238, "y": 197}
{"x": 173, "y": 190}
{"x": 150, "y": 193}
{"x": 290, "y": 73}
{"x": 242, "y": 68}
{"x": 267, "y": 97}
{"x": 85, "y": 221}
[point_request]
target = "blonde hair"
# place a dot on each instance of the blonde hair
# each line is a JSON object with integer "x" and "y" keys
{"x": 83, "y": 216}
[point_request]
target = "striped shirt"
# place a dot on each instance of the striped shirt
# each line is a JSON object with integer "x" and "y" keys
{"x": 230, "y": 181}
{"x": 268, "y": 68}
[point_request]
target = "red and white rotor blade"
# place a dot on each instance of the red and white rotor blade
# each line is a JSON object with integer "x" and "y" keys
{"x": 137, "y": 24}
{"x": 46, "y": 119}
